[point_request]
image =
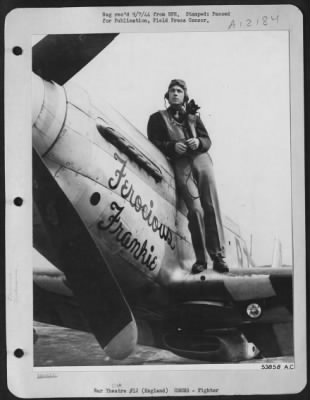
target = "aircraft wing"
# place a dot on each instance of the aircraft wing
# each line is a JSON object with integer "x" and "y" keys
{"x": 86, "y": 272}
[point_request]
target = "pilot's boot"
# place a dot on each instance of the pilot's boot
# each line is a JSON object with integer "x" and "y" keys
{"x": 196, "y": 228}
{"x": 198, "y": 267}
{"x": 219, "y": 264}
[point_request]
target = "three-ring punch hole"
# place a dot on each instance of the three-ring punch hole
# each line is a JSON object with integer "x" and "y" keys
{"x": 17, "y": 50}
{"x": 19, "y": 353}
{"x": 18, "y": 201}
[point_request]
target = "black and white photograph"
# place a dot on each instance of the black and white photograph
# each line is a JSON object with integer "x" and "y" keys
{"x": 164, "y": 162}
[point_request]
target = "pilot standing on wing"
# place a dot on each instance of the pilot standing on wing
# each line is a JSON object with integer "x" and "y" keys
{"x": 180, "y": 134}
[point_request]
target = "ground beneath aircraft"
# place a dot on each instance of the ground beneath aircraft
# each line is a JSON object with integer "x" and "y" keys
{"x": 57, "y": 346}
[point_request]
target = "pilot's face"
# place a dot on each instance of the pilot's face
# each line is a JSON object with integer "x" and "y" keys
{"x": 176, "y": 95}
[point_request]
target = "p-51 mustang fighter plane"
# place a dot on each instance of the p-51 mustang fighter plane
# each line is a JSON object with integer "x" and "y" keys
{"x": 112, "y": 247}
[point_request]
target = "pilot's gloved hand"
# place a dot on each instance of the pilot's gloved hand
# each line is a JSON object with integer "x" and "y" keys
{"x": 180, "y": 147}
{"x": 193, "y": 143}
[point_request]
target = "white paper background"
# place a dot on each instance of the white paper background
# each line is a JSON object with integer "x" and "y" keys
{"x": 23, "y": 380}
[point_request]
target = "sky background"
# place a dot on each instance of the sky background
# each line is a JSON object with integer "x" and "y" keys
{"x": 241, "y": 82}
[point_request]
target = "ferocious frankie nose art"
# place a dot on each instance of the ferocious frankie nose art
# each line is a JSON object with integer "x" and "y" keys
{"x": 112, "y": 249}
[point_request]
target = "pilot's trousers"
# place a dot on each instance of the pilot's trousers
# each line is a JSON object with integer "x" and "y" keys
{"x": 196, "y": 183}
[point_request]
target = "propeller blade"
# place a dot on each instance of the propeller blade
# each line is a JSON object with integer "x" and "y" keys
{"x": 59, "y": 57}
{"x": 89, "y": 277}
